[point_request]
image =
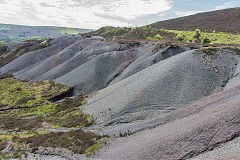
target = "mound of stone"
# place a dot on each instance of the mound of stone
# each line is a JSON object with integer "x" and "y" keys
{"x": 37, "y": 56}
{"x": 161, "y": 88}
{"x": 187, "y": 132}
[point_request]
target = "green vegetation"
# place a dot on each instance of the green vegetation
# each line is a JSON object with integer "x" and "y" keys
{"x": 179, "y": 37}
{"x": 18, "y": 93}
{"x": 27, "y": 113}
{"x": 206, "y": 40}
{"x": 94, "y": 147}
{"x": 34, "y": 99}
{"x": 158, "y": 36}
{"x": 13, "y": 39}
{"x": 111, "y": 32}
{"x": 66, "y": 114}
{"x": 152, "y": 34}
{"x": 17, "y": 33}
{"x": 215, "y": 38}
{"x": 197, "y": 34}
{"x": 1, "y": 43}
{"x": 129, "y": 33}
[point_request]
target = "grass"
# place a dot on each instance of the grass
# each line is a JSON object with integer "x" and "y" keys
{"x": 128, "y": 33}
{"x": 14, "y": 39}
{"x": 98, "y": 145}
{"x": 66, "y": 114}
{"x": 10, "y": 136}
{"x": 29, "y": 126}
{"x": 38, "y": 110}
{"x": 216, "y": 38}
{"x": 4, "y": 137}
{"x": 18, "y": 93}
{"x": 152, "y": 34}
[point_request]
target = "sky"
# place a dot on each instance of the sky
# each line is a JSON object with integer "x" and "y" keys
{"x": 93, "y": 14}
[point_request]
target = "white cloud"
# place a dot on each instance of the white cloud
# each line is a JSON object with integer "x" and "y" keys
{"x": 78, "y": 13}
{"x": 130, "y": 9}
{"x": 187, "y": 13}
{"x": 226, "y": 5}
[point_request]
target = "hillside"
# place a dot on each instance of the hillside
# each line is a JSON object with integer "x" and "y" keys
{"x": 227, "y": 20}
{"x": 149, "y": 34}
{"x": 215, "y": 27}
{"x": 15, "y": 33}
{"x": 120, "y": 89}
{"x": 122, "y": 93}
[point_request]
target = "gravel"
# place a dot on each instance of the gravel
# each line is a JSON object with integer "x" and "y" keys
{"x": 185, "y": 133}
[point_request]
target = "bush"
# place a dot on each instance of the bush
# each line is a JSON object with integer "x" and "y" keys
{"x": 180, "y": 37}
{"x": 197, "y": 33}
{"x": 158, "y": 36}
{"x": 206, "y": 40}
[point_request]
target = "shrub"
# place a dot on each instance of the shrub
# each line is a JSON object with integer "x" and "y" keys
{"x": 197, "y": 33}
{"x": 180, "y": 37}
{"x": 206, "y": 40}
{"x": 158, "y": 36}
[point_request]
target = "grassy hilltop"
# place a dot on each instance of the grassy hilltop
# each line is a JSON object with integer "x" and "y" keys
{"x": 18, "y": 33}
{"x": 164, "y": 35}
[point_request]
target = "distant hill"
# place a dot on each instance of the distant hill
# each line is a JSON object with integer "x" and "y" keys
{"x": 16, "y": 33}
{"x": 227, "y": 20}
{"x": 217, "y": 27}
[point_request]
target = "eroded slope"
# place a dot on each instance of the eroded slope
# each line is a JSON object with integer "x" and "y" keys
{"x": 185, "y": 133}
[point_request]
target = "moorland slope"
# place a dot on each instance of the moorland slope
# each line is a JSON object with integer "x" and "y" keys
{"x": 220, "y": 21}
